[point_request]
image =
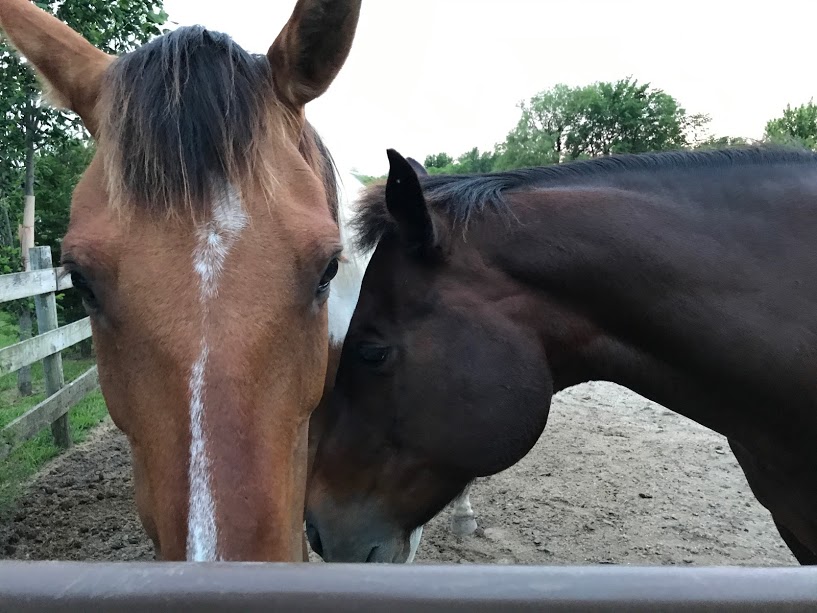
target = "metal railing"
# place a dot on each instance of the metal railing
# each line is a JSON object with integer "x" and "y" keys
{"x": 155, "y": 587}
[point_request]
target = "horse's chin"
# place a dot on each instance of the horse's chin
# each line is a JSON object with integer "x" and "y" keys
{"x": 398, "y": 551}
{"x": 388, "y": 553}
{"x": 383, "y": 546}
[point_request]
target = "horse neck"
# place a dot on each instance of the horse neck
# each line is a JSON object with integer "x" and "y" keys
{"x": 654, "y": 291}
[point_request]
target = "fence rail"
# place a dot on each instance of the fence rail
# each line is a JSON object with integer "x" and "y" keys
{"x": 34, "y": 349}
{"x": 42, "y": 283}
{"x": 26, "y": 284}
{"x": 154, "y": 586}
{"x": 47, "y": 412}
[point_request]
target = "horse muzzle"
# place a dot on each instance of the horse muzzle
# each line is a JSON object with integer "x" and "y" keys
{"x": 360, "y": 541}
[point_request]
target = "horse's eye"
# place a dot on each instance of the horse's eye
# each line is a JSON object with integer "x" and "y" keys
{"x": 373, "y": 355}
{"x": 81, "y": 284}
{"x": 328, "y": 275}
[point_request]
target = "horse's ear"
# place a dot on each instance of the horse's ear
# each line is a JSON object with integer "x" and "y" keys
{"x": 407, "y": 205}
{"x": 418, "y": 167}
{"x": 70, "y": 66}
{"x": 311, "y": 49}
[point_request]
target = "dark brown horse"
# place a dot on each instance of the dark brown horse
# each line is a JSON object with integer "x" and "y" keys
{"x": 690, "y": 278}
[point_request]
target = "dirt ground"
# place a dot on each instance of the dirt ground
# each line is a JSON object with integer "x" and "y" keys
{"x": 615, "y": 479}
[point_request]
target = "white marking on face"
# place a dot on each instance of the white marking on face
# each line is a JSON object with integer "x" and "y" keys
{"x": 345, "y": 287}
{"x": 214, "y": 241}
{"x": 343, "y": 296}
{"x": 201, "y": 538}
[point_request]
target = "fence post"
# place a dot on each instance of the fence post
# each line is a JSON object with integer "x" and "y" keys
{"x": 46, "y": 306}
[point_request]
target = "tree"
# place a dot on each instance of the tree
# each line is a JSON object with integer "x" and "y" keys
{"x": 540, "y": 136}
{"x": 628, "y": 117}
{"x": 59, "y": 168}
{"x": 722, "y": 142}
{"x": 470, "y": 162}
{"x": 568, "y": 123}
{"x": 438, "y": 160}
{"x": 474, "y": 161}
{"x": 366, "y": 179}
{"x": 797, "y": 126}
{"x": 27, "y": 124}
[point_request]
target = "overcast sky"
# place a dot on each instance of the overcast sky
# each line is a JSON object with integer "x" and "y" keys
{"x": 445, "y": 75}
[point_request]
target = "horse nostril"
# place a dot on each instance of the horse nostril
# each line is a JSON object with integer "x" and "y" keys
{"x": 314, "y": 539}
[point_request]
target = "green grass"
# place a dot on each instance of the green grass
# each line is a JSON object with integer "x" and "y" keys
{"x": 8, "y": 330}
{"x": 31, "y": 456}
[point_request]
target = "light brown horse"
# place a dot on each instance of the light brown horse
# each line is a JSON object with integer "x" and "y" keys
{"x": 203, "y": 238}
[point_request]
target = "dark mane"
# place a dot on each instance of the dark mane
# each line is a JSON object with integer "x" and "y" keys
{"x": 459, "y": 196}
{"x": 183, "y": 118}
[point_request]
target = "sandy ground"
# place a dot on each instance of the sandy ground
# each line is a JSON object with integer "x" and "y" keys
{"x": 615, "y": 479}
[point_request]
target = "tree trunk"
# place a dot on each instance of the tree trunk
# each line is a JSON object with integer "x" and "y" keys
{"x": 24, "y": 386}
{"x": 86, "y": 349}
{"x": 26, "y": 242}
{"x": 27, "y": 235}
{"x": 7, "y": 235}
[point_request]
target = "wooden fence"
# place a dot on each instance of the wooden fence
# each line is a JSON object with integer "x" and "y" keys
{"x": 42, "y": 283}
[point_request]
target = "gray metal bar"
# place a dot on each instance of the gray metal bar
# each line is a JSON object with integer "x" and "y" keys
{"x": 155, "y": 586}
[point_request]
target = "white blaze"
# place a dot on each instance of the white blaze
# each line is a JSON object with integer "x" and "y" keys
{"x": 201, "y": 528}
{"x": 214, "y": 241}
{"x": 345, "y": 287}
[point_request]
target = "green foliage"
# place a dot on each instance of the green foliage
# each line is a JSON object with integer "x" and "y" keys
{"x": 722, "y": 142}
{"x": 9, "y": 259}
{"x": 26, "y": 124}
{"x": 470, "y": 162}
{"x": 8, "y": 330}
{"x": 115, "y": 26}
{"x": 438, "y": 160}
{"x": 368, "y": 179}
{"x": 475, "y": 161}
{"x": 569, "y": 123}
{"x": 59, "y": 169}
{"x": 53, "y": 141}
{"x": 540, "y": 136}
{"x": 797, "y": 126}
